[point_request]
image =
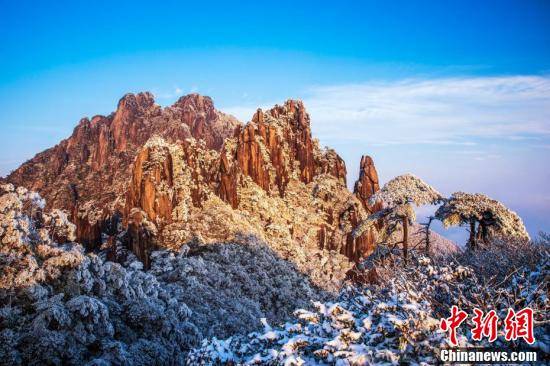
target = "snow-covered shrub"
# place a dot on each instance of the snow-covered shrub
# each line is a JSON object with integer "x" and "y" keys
{"x": 28, "y": 254}
{"x": 365, "y": 326}
{"x": 393, "y": 323}
{"x": 238, "y": 283}
{"x": 61, "y": 306}
{"x": 503, "y": 255}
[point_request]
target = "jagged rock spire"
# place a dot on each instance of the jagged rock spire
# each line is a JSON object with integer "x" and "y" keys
{"x": 172, "y": 174}
{"x": 367, "y": 184}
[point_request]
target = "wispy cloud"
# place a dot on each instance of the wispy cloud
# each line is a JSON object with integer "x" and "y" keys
{"x": 439, "y": 111}
{"x": 174, "y": 93}
{"x": 444, "y": 111}
{"x": 9, "y": 163}
{"x": 479, "y": 134}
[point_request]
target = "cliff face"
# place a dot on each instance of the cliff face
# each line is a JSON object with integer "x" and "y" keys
{"x": 274, "y": 148}
{"x": 88, "y": 174}
{"x": 190, "y": 172}
{"x": 271, "y": 179}
{"x": 366, "y": 185}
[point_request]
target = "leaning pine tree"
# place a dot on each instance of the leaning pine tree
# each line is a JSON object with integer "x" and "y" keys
{"x": 485, "y": 216}
{"x": 398, "y": 197}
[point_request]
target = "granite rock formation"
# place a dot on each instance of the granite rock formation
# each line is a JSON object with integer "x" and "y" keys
{"x": 155, "y": 177}
{"x": 366, "y": 185}
{"x": 88, "y": 173}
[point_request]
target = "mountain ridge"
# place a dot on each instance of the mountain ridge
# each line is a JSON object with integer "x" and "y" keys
{"x": 148, "y": 178}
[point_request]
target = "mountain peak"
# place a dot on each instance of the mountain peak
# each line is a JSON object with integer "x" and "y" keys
{"x": 142, "y": 100}
{"x": 202, "y": 174}
{"x": 195, "y": 99}
{"x": 196, "y": 103}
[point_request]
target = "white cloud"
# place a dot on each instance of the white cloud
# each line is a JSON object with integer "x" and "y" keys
{"x": 439, "y": 111}
{"x": 446, "y": 111}
{"x": 478, "y": 134}
{"x": 169, "y": 95}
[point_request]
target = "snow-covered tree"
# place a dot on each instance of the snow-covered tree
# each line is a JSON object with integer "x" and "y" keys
{"x": 59, "y": 305}
{"x": 28, "y": 254}
{"x": 398, "y": 197}
{"x": 485, "y": 216}
{"x": 393, "y": 323}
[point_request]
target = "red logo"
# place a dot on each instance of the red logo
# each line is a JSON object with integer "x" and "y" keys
{"x": 451, "y": 323}
{"x": 485, "y": 326}
{"x": 519, "y": 325}
{"x": 516, "y": 325}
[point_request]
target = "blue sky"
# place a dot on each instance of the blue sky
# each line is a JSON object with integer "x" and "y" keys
{"x": 457, "y": 92}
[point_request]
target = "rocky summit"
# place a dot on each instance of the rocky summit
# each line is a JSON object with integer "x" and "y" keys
{"x": 148, "y": 178}
{"x": 174, "y": 235}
